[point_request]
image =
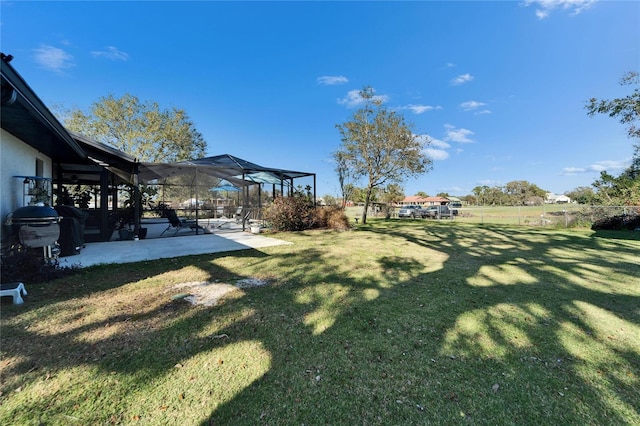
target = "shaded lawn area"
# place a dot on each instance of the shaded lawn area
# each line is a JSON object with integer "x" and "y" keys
{"x": 405, "y": 322}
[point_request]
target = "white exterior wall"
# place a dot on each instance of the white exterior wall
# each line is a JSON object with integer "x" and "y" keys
{"x": 17, "y": 158}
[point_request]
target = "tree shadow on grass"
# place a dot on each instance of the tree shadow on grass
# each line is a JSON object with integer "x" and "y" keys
{"x": 500, "y": 304}
{"x": 421, "y": 331}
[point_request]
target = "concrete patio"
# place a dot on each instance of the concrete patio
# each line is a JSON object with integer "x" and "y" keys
{"x": 186, "y": 242}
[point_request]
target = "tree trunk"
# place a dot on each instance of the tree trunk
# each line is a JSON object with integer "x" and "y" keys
{"x": 366, "y": 206}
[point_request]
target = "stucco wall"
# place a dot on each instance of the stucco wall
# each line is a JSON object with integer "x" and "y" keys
{"x": 16, "y": 158}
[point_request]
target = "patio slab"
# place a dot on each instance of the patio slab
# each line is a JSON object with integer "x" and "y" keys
{"x": 161, "y": 248}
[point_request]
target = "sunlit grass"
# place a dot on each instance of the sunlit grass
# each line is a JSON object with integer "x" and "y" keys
{"x": 396, "y": 322}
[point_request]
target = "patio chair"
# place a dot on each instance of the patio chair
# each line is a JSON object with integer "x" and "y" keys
{"x": 175, "y": 222}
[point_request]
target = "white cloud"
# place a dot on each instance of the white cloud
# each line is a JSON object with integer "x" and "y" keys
{"x": 545, "y": 7}
{"x": 419, "y": 109}
{"x": 53, "y": 58}
{"x": 112, "y": 53}
{"x": 471, "y": 105}
{"x": 332, "y": 80}
{"x": 440, "y": 143}
{"x": 490, "y": 182}
{"x": 611, "y": 166}
{"x": 436, "y": 154}
{"x": 457, "y": 135}
{"x": 461, "y": 79}
{"x": 353, "y": 99}
{"x": 573, "y": 170}
{"x": 435, "y": 149}
{"x": 484, "y": 111}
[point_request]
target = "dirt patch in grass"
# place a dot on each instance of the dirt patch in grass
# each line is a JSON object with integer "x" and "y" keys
{"x": 208, "y": 293}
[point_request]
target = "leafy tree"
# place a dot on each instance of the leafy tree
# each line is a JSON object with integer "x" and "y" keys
{"x": 495, "y": 196}
{"x": 140, "y": 129}
{"x": 582, "y": 195}
{"x": 380, "y": 147}
{"x": 392, "y": 193}
{"x": 620, "y": 190}
{"x": 519, "y": 192}
{"x": 357, "y": 195}
{"x": 481, "y": 193}
{"x": 330, "y": 200}
{"x": 422, "y": 194}
{"x": 626, "y": 109}
{"x": 443, "y": 194}
{"x": 625, "y": 188}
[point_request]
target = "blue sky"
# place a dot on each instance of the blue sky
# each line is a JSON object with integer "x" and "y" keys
{"x": 499, "y": 87}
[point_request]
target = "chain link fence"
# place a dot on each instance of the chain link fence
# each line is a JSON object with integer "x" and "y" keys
{"x": 562, "y": 216}
{"x": 548, "y": 215}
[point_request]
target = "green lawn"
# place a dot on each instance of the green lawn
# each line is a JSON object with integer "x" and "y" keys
{"x": 396, "y": 322}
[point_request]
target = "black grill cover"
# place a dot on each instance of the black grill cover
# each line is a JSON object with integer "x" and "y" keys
{"x": 71, "y": 229}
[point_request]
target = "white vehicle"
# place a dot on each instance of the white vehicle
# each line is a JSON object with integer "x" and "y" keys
{"x": 410, "y": 211}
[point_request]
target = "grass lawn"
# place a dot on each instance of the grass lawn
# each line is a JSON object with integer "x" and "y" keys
{"x": 396, "y": 322}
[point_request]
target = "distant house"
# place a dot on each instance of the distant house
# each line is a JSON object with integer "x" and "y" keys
{"x": 552, "y": 198}
{"x": 416, "y": 200}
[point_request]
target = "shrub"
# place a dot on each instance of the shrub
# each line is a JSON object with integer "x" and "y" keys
{"x": 330, "y": 217}
{"x": 290, "y": 214}
{"x": 29, "y": 267}
{"x": 297, "y": 214}
{"x": 607, "y": 217}
{"x": 617, "y": 222}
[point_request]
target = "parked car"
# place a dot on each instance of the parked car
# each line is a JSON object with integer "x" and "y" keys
{"x": 410, "y": 211}
{"x": 437, "y": 212}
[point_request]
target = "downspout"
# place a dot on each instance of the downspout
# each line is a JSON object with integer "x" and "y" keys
{"x": 245, "y": 194}
{"x": 196, "y": 185}
{"x": 136, "y": 199}
{"x": 104, "y": 206}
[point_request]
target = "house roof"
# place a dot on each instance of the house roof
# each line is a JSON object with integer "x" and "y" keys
{"x": 419, "y": 199}
{"x": 25, "y": 116}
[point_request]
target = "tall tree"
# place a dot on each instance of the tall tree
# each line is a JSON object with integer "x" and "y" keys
{"x": 626, "y": 187}
{"x": 519, "y": 192}
{"x": 480, "y": 193}
{"x": 345, "y": 178}
{"x": 380, "y": 147}
{"x": 626, "y": 109}
{"x": 140, "y": 129}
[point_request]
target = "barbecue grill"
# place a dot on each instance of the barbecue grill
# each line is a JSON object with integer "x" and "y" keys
{"x": 36, "y": 226}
